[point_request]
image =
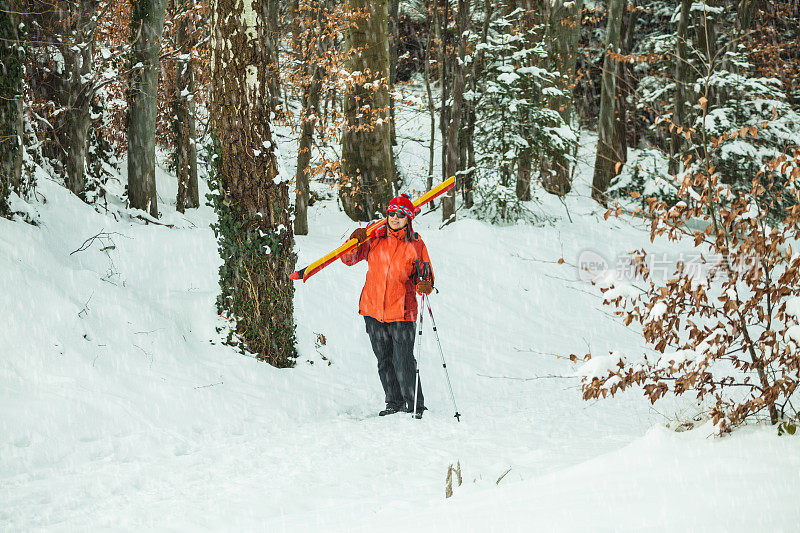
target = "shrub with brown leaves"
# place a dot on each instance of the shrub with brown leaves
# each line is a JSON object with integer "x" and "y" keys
{"x": 725, "y": 327}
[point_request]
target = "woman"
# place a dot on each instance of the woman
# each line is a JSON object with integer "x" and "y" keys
{"x": 399, "y": 269}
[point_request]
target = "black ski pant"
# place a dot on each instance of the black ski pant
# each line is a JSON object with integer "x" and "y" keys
{"x": 393, "y": 344}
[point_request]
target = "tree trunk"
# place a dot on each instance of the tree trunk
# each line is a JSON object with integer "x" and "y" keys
{"x": 606, "y": 159}
{"x": 568, "y": 32}
{"x": 76, "y": 24}
{"x": 444, "y": 108}
{"x": 194, "y": 189}
{"x": 475, "y": 71}
{"x": 431, "y": 19}
{"x": 310, "y": 106}
{"x": 623, "y": 90}
{"x": 367, "y": 169}
{"x": 183, "y": 116}
{"x": 394, "y": 42}
{"x": 523, "y": 188}
{"x": 309, "y": 116}
{"x": 746, "y": 11}
{"x": 620, "y": 122}
{"x": 565, "y": 27}
{"x": 681, "y": 81}
{"x": 705, "y": 37}
{"x": 454, "y": 166}
{"x": 76, "y": 130}
{"x": 273, "y": 37}
{"x": 147, "y": 25}
{"x": 12, "y": 59}
{"x": 531, "y": 27}
{"x": 470, "y": 141}
{"x": 253, "y": 233}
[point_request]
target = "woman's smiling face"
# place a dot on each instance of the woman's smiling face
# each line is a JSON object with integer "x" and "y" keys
{"x": 396, "y": 222}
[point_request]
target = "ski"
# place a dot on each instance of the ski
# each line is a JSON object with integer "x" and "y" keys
{"x": 322, "y": 262}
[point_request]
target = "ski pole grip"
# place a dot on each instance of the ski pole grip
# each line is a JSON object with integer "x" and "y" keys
{"x": 418, "y": 271}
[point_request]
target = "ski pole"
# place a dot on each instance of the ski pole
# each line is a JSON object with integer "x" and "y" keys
{"x": 419, "y": 349}
{"x": 444, "y": 365}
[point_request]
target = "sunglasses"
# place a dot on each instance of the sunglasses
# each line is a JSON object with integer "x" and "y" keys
{"x": 398, "y": 214}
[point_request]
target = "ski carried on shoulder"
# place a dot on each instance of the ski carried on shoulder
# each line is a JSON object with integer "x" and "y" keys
{"x": 322, "y": 262}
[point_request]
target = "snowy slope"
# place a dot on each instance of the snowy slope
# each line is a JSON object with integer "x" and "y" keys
{"x": 122, "y": 411}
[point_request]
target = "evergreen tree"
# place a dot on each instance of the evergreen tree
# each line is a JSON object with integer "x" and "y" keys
{"x": 517, "y": 126}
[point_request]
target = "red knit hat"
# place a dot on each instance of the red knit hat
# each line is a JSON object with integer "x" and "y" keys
{"x": 403, "y": 203}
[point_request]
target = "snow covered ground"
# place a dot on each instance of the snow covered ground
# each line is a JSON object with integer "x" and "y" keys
{"x": 122, "y": 411}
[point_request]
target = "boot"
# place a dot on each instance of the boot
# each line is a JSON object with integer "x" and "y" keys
{"x": 419, "y": 412}
{"x": 389, "y": 411}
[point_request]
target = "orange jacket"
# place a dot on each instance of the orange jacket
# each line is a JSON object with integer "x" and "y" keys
{"x": 389, "y": 293}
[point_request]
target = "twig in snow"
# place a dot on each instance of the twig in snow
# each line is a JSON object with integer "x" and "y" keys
{"x": 100, "y": 236}
{"x": 501, "y": 477}
{"x": 209, "y": 385}
{"x": 560, "y": 261}
{"x": 153, "y": 221}
{"x": 147, "y": 332}
{"x": 549, "y": 376}
{"x": 566, "y": 280}
{"x": 564, "y": 203}
{"x": 557, "y": 356}
{"x": 85, "y": 309}
{"x": 148, "y": 354}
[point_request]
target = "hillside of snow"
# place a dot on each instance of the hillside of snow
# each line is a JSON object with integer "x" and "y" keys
{"x": 122, "y": 410}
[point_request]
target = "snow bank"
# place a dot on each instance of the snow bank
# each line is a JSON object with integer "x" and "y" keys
{"x": 123, "y": 411}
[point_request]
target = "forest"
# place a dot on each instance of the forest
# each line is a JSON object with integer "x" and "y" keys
{"x": 625, "y": 216}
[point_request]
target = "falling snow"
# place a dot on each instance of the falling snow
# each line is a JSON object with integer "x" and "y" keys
{"x": 124, "y": 410}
